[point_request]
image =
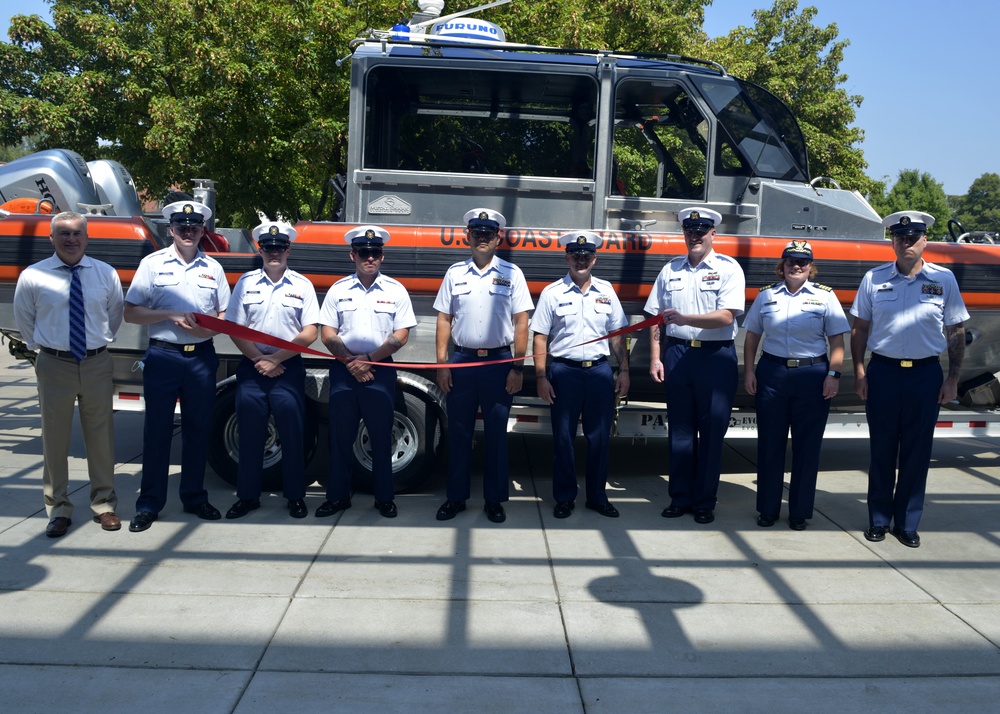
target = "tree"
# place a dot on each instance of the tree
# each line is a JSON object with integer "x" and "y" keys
{"x": 979, "y": 209}
{"x": 916, "y": 191}
{"x": 800, "y": 63}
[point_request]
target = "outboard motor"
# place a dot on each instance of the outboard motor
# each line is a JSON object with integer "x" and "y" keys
{"x": 115, "y": 187}
{"x": 58, "y": 175}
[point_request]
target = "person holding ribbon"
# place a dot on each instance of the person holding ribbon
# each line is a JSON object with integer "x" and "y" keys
{"x": 794, "y": 380}
{"x": 69, "y": 307}
{"x": 482, "y": 305}
{"x": 170, "y": 287}
{"x": 571, "y": 317}
{"x": 270, "y": 381}
{"x": 366, "y": 318}
{"x": 698, "y": 296}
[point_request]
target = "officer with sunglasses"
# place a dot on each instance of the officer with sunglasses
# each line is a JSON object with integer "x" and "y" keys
{"x": 794, "y": 380}
{"x": 482, "y": 306}
{"x": 271, "y": 381}
{"x": 366, "y": 318}
{"x": 907, "y": 313}
{"x": 170, "y": 286}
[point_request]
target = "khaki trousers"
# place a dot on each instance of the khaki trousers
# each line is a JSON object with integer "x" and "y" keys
{"x": 62, "y": 382}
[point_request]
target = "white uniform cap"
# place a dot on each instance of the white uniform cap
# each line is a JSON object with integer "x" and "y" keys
{"x": 189, "y": 213}
{"x": 485, "y": 218}
{"x": 581, "y": 241}
{"x": 704, "y": 218}
{"x": 270, "y": 233}
{"x": 908, "y": 223}
{"x": 364, "y": 236}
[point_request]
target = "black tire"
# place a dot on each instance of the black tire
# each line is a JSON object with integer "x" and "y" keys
{"x": 417, "y": 440}
{"x": 223, "y": 443}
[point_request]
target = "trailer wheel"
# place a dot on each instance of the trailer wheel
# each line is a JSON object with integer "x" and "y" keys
{"x": 224, "y": 444}
{"x": 416, "y": 438}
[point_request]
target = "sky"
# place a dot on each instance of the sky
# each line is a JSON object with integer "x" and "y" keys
{"x": 929, "y": 72}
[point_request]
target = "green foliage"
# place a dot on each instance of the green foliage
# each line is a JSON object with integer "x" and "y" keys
{"x": 979, "y": 209}
{"x": 916, "y": 191}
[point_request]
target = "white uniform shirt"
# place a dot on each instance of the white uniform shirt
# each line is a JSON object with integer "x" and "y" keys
{"x": 796, "y": 325}
{"x": 569, "y": 316}
{"x": 908, "y": 316}
{"x": 483, "y": 302}
{"x": 163, "y": 281}
{"x": 279, "y": 309}
{"x": 716, "y": 283}
{"x": 41, "y": 303}
{"x": 365, "y": 318}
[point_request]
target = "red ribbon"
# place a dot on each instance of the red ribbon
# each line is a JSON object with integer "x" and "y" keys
{"x": 245, "y": 333}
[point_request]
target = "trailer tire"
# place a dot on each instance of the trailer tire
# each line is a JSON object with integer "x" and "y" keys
{"x": 416, "y": 434}
{"x": 224, "y": 445}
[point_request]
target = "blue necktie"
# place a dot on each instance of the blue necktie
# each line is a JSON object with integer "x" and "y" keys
{"x": 77, "y": 317}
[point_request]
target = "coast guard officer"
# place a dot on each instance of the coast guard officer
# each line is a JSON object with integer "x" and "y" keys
{"x": 366, "y": 318}
{"x": 794, "y": 380}
{"x": 907, "y": 313}
{"x": 483, "y": 306}
{"x": 169, "y": 287}
{"x": 579, "y": 380}
{"x": 69, "y": 307}
{"x": 270, "y": 381}
{"x": 699, "y": 296}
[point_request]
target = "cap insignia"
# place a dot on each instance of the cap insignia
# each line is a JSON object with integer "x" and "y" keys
{"x": 484, "y": 216}
{"x": 369, "y": 234}
{"x": 188, "y": 208}
{"x": 904, "y": 221}
{"x": 273, "y": 230}
{"x": 581, "y": 240}
{"x": 695, "y": 215}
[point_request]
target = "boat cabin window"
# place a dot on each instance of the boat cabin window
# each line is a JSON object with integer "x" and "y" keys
{"x": 660, "y": 142}
{"x": 431, "y": 119}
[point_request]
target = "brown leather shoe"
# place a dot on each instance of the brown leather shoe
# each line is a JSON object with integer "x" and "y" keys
{"x": 109, "y": 521}
{"x": 57, "y": 527}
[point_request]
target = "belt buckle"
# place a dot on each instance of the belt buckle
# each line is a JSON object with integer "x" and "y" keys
{"x": 189, "y": 347}
{"x": 587, "y": 363}
{"x": 906, "y": 363}
{"x": 482, "y": 353}
{"x": 696, "y": 343}
{"x": 791, "y": 363}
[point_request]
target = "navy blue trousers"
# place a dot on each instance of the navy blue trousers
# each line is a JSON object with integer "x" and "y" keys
{"x": 257, "y": 398}
{"x": 474, "y": 389}
{"x": 902, "y": 410}
{"x": 350, "y": 402}
{"x": 167, "y": 376}
{"x": 789, "y": 397}
{"x": 587, "y": 393}
{"x": 700, "y": 388}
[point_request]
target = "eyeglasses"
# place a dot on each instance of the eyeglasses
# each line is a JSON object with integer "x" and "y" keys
{"x": 482, "y": 234}
{"x": 582, "y": 257}
{"x": 185, "y": 230}
{"x": 366, "y": 253}
{"x": 798, "y": 262}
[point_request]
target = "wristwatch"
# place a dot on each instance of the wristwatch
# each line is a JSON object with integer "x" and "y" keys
{"x": 835, "y": 375}
{"x": 519, "y": 368}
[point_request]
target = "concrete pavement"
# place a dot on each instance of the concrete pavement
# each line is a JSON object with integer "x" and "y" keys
{"x": 358, "y": 613}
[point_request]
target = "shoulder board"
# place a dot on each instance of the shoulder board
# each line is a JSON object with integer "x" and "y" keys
{"x": 772, "y": 285}
{"x": 822, "y": 287}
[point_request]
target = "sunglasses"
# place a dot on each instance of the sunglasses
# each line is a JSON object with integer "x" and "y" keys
{"x": 798, "y": 262}
{"x": 483, "y": 234}
{"x": 185, "y": 230}
{"x": 366, "y": 253}
{"x": 275, "y": 249}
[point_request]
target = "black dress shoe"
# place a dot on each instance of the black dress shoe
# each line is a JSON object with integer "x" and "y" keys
{"x": 563, "y": 509}
{"x": 141, "y": 521}
{"x": 387, "y": 509}
{"x": 57, "y": 527}
{"x": 704, "y": 515}
{"x": 297, "y": 508}
{"x": 673, "y": 511}
{"x": 875, "y": 534}
{"x": 206, "y": 511}
{"x": 449, "y": 509}
{"x": 765, "y": 521}
{"x": 605, "y": 509}
{"x": 908, "y": 538}
{"x": 242, "y": 507}
{"x": 797, "y": 524}
{"x": 330, "y": 507}
{"x": 494, "y": 511}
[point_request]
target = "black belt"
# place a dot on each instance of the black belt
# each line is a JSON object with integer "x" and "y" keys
{"x": 585, "y": 364}
{"x": 699, "y": 343}
{"x": 183, "y": 348}
{"x": 485, "y": 352}
{"x": 904, "y": 362}
{"x": 793, "y": 362}
{"x": 69, "y": 355}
